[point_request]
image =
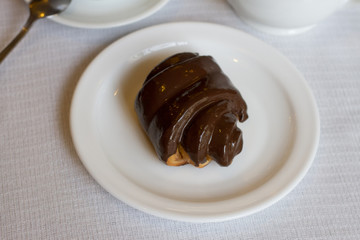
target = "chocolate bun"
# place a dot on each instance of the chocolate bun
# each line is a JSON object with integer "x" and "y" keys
{"x": 189, "y": 109}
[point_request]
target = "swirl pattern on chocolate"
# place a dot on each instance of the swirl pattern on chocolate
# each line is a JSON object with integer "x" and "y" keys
{"x": 189, "y": 109}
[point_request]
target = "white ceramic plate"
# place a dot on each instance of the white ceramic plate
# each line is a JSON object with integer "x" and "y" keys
{"x": 107, "y": 13}
{"x": 280, "y": 136}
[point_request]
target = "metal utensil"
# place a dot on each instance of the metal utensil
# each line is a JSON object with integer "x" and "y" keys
{"x": 38, "y": 9}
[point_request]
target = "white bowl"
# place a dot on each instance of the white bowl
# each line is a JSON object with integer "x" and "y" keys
{"x": 284, "y": 17}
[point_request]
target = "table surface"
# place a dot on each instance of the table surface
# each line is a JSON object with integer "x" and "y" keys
{"x": 46, "y": 193}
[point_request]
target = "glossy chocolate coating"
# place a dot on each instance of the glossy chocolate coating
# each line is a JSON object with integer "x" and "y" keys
{"x": 187, "y": 100}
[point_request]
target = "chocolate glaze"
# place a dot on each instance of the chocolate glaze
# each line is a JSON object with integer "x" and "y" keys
{"x": 187, "y": 100}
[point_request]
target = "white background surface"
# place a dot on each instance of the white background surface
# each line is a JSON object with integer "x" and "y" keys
{"x": 46, "y": 193}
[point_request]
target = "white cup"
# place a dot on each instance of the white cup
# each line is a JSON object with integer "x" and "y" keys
{"x": 284, "y": 17}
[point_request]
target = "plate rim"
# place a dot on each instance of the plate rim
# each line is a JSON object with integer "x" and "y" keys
{"x": 109, "y": 24}
{"x": 213, "y": 217}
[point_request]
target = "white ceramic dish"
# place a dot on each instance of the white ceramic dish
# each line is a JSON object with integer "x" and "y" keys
{"x": 280, "y": 136}
{"x": 284, "y": 17}
{"x": 107, "y": 13}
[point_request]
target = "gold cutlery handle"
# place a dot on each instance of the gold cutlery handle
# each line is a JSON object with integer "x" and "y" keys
{"x": 18, "y": 37}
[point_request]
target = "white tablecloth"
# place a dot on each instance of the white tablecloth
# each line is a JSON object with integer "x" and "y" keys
{"x": 46, "y": 193}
